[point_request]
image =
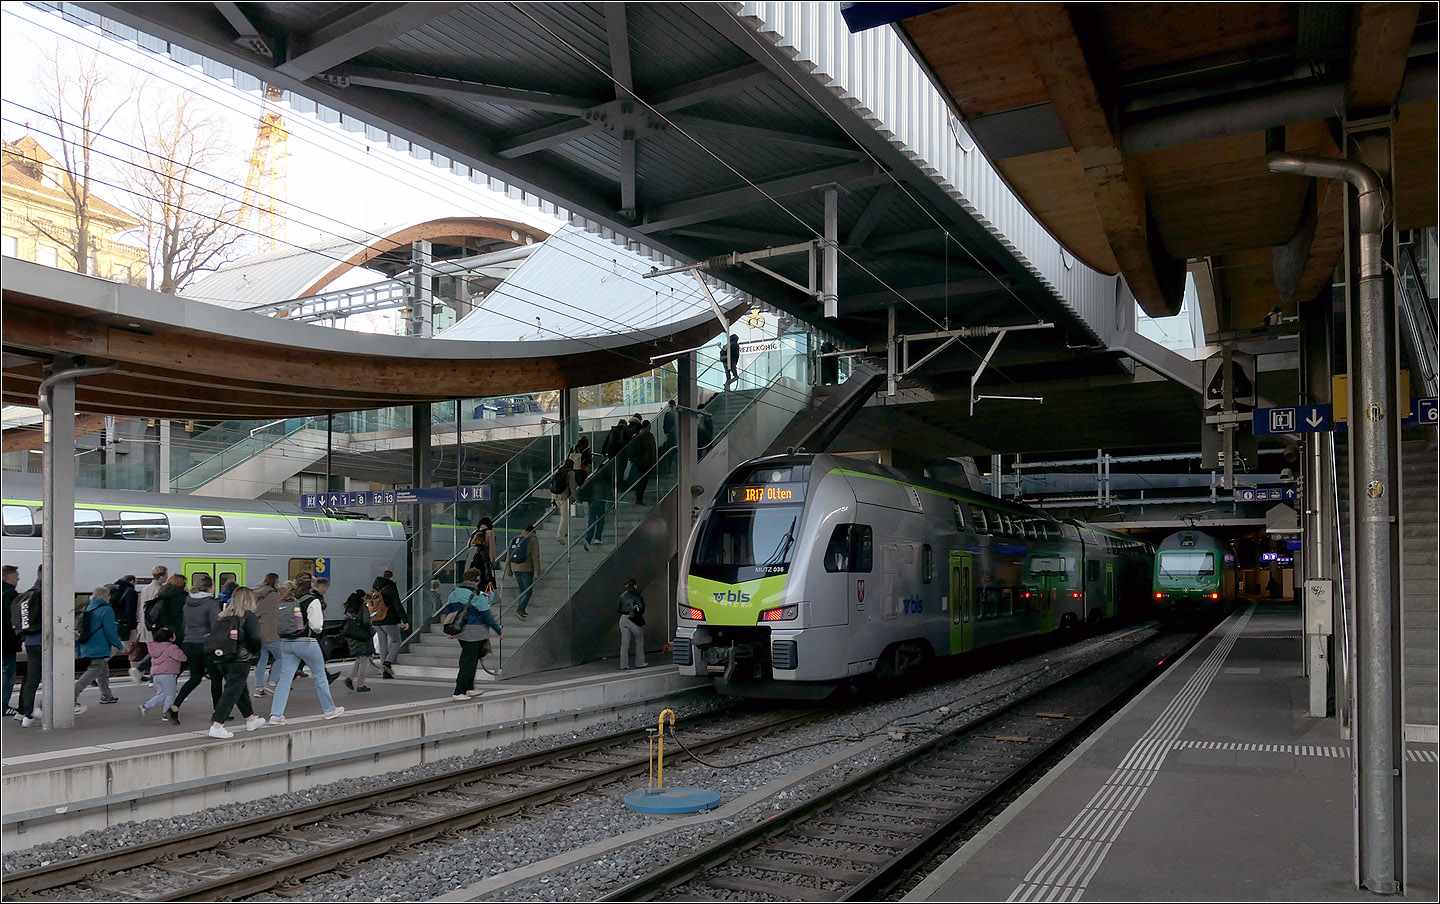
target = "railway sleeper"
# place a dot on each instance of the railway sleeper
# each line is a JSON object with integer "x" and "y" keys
{"x": 775, "y": 865}
{"x": 822, "y": 833}
{"x": 847, "y": 822}
{"x": 774, "y": 889}
{"x": 830, "y": 853}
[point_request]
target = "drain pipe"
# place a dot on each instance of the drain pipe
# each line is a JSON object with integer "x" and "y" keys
{"x": 1379, "y": 763}
{"x": 57, "y": 581}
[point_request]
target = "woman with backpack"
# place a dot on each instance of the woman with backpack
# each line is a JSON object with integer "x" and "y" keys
{"x": 482, "y": 541}
{"x": 95, "y": 637}
{"x": 359, "y": 633}
{"x": 299, "y": 619}
{"x": 233, "y": 643}
{"x": 466, "y": 618}
{"x": 267, "y": 595}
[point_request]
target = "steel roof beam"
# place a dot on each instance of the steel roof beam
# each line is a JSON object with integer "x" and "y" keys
{"x": 722, "y": 84}
{"x": 738, "y": 200}
{"x": 869, "y": 218}
{"x": 618, "y": 31}
{"x": 548, "y": 137}
{"x": 456, "y": 89}
{"x": 738, "y": 238}
{"x": 812, "y": 143}
{"x": 345, "y": 38}
{"x": 955, "y": 288}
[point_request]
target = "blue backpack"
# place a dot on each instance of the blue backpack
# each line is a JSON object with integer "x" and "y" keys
{"x": 520, "y": 549}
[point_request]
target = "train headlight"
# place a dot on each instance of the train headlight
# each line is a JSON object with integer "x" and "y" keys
{"x": 1159, "y": 596}
{"x": 1214, "y": 596}
{"x": 691, "y": 613}
{"x": 784, "y": 613}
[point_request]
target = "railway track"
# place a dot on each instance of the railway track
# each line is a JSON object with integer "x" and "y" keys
{"x": 858, "y": 839}
{"x": 256, "y": 855}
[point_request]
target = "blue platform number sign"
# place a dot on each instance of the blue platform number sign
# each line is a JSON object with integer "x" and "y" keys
{"x": 322, "y": 567}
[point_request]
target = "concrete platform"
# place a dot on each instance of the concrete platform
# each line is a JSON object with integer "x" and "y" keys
{"x": 113, "y": 767}
{"x": 1211, "y": 785}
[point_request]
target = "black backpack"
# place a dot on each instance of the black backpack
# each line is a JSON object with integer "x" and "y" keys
{"x": 454, "y": 617}
{"x": 223, "y": 642}
{"x": 560, "y": 484}
{"x": 25, "y": 613}
{"x": 153, "y": 609}
{"x": 84, "y": 625}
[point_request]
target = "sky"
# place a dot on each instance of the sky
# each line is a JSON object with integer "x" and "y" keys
{"x": 337, "y": 182}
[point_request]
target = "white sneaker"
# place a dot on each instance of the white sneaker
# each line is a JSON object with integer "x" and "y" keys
{"x": 81, "y": 708}
{"x": 459, "y": 697}
{"x": 219, "y": 731}
{"x": 27, "y": 721}
{"x": 473, "y": 693}
{"x": 135, "y": 675}
{"x": 257, "y": 722}
{"x": 337, "y": 711}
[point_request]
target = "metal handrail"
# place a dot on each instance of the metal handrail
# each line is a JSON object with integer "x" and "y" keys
{"x": 274, "y": 440}
{"x": 1415, "y": 308}
{"x": 1343, "y": 706}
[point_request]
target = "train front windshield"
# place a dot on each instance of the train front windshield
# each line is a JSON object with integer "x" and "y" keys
{"x": 743, "y": 544}
{"x": 1186, "y": 564}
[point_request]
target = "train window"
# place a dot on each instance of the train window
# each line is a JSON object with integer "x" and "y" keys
{"x": 226, "y": 577}
{"x": 1006, "y": 602}
{"x": 1047, "y": 565}
{"x": 977, "y": 515}
{"x": 927, "y": 564}
{"x": 1092, "y": 570}
{"x": 851, "y": 549}
{"x": 301, "y": 566}
{"x": 212, "y": 528}
{"x": 747, "y": 543}
{"x": 1177, "y": 564}
{"x": 19, "y": 522}
{"x": 959, "y": 518}
{"x": 89, "y": 524}
{"x": 140, "y": 525}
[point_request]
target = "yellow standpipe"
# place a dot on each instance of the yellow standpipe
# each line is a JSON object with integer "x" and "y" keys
{"x": 660, "y": 759}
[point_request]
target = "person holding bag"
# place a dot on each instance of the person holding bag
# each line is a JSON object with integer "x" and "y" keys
{"x": 632, "y": 624}
{"x": 359, "y": 635}
{"x": 232, "y": 645}
{"x": 469, "y": 611}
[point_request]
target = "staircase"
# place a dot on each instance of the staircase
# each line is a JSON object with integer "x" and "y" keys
{"x": 1418, "y": 563}
{"x": 572, "y": 609}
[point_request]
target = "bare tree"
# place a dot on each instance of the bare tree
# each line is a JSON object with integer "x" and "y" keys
{"x": 74, "y": 87}
{"x": 189, "y": 219}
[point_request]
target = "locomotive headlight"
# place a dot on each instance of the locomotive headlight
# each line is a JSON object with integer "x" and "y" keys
{"x": 691, "y": 613}
{"x": 784, "y": 613}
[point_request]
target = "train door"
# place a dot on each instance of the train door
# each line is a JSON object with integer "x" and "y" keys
{"x": 220, "y": 570}
{"x": 962, "y": 602}
{"x": 1109, "y": 589}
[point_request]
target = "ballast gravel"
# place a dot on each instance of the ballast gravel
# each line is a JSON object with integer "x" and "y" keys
{"x": 447, "y": 865}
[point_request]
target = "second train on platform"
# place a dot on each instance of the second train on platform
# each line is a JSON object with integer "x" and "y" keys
{"x": 808, "y": 570}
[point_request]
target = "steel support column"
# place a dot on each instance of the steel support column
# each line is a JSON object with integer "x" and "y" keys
{"x": 420, "y": 469}
{"x": 830, "y": 257}
{"x": 1375, "y": 413}
{"x": 1318, "y": 522}
{"x": 57, "y": 544}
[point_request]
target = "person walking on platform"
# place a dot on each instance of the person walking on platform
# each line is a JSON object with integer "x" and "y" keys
{"x": 395, "y": 621}
{"x": 198, "y": 620}
{"x": 28, "y": 626}
{"x": 232, "y": 646}
{"x": 472, "y": 636}
{"x": 299, "y": 621}
{"x": 126, "y": 603}
{"x": 267, "y": 662}
{"x": 144, "y": 629}
{"x": 632, "y": 624}
{"x": 562, "y": 490}
{"x": 644, "y": 456}
{"x": 522, "y": 559}
{"x": 359, "y": 633}
{"x": 95, "y": 637}
{"x": 166, "y": 660}
{"x": 171, "y": 599}
{"x": 12, "y": 637}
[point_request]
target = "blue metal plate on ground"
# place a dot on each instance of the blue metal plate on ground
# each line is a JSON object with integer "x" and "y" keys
{"x": 672, "y": 800}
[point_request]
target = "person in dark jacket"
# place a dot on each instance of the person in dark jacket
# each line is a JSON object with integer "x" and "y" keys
{"x": 96, "y": 646}
{"x": 125, "y": 600}
{"x": 613, "y": 449}
{"x": 632, "y": 607}
{"x": 267, "y": 596}
{"x": 732, "y": 360}
{"x": 235, "y": 670}
{"x": 30, "y": 638}
{"x": 197, "y": 620}
{"x": 359, "y": 634}
{"x": 644, "y": 457}
{"x": 392, "y": 626}
{"x": 12, "y": 637}
{"x": 670, "y": 426}
{"x": 171, "y": 599}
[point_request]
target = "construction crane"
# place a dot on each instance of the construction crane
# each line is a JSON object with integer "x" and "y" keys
{"x": 264, "y": 196}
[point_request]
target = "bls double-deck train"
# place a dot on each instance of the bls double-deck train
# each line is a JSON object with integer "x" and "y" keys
{"x": 806, "y": 571}
{"x": 119, "y": 532}
{"x": 1194, "y": 572}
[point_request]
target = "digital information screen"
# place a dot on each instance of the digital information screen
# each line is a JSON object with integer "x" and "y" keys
{"x": 770, "y": 493}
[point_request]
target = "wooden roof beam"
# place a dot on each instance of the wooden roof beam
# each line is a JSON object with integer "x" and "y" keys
{"x": 1055, "y": 45}
{"x": 1383, "y": 32}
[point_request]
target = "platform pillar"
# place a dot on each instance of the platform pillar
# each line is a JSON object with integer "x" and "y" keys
{"x": 1318, "y": 537}
{"x": 420, "y": 467}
